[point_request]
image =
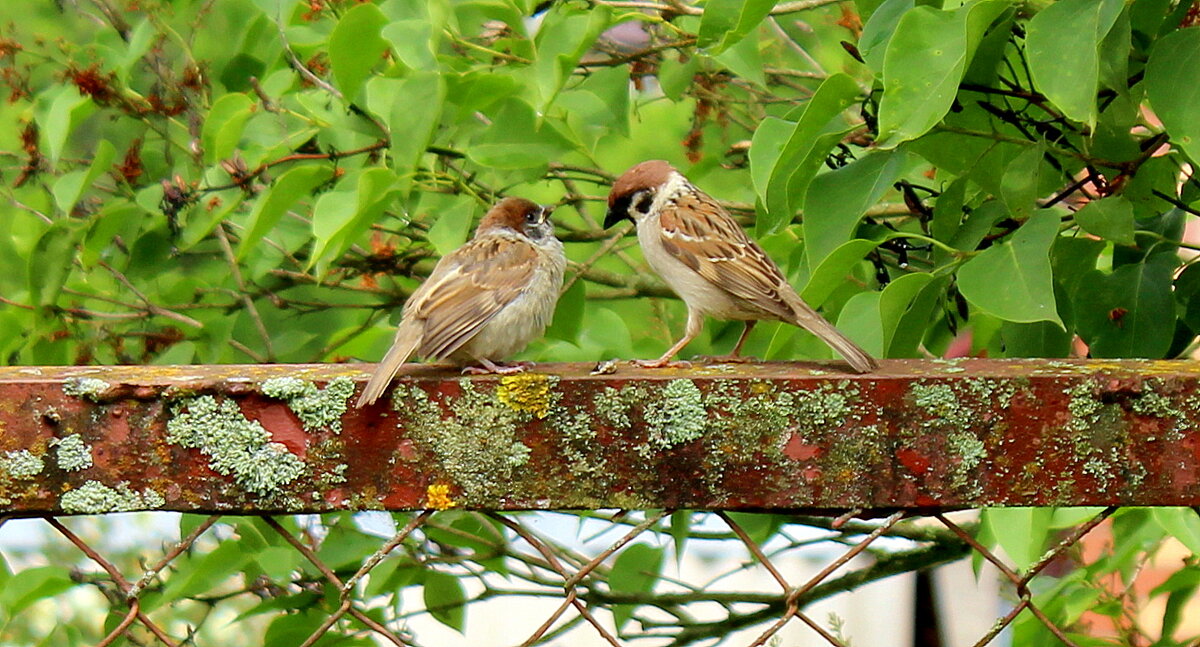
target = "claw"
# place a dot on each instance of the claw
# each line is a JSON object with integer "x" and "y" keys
{"x": 660, "y": 363}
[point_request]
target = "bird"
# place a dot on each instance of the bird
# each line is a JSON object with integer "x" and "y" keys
{"x": 485, "y": 300}
{"x": 702, "y": 253}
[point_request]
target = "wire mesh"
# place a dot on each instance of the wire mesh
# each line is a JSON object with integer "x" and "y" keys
{"x": 315, "y": 580}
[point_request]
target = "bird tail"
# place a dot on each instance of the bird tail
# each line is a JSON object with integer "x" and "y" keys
{"x": 408, "y": 337}
{"x": 814, "y": 323}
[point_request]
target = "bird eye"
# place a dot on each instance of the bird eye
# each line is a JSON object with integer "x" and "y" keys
{"x": 531, "y": 217}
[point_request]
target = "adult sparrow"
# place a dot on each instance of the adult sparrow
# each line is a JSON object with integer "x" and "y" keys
{"x": 485, "y": 300}
{"x": 706, "y": 258}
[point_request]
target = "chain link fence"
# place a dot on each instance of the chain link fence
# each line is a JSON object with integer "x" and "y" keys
{"x": 309, "y": 580}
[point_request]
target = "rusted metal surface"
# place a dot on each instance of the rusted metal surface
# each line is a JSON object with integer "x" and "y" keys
{"x": 916, "y": 435}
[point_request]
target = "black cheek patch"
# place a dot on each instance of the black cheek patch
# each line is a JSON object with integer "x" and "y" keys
{"x": 618, "y": 211}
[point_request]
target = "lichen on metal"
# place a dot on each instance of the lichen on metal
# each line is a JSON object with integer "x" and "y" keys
{"x": 678, "y": 417}
{"x": 93, "y": 497}
{"x": 71, "y": 453}
{"x": 785, "y": 436}
{"x": 316, "y": 408}
{"x": 477, "y": 443}
{"x": 236, "y": 446}
{"x": 88, "y": 388}
{"x": 529, "y": 392}
{"x": 21, "y": 464}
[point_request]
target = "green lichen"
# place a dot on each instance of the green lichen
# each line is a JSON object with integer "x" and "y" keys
{"x": 235, "y": 446}
{"x": 72, "y": 453}
{"x": 678, "y": 418}
{"x": 612, "y": 406}
{"x": 475, "y": 441}
{"x": 88, "y": 388}
{"x": 316, "y": 408}
{"x": 21, "y": 464}
{"x": 970, "y": 452}
{"x": 94, "y": 497}
{"x": 529, "y": 392}
{"x": 1083, "y": 406}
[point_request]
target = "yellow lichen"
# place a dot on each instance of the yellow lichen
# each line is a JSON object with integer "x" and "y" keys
{"x": 528, "y": 392}
{"x": 437, "y": 496}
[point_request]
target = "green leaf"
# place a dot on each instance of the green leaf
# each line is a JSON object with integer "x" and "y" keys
{"x": 70, "y": 187}
{"x": 568, "y": 314}
{"x": 453, "y": 225}
{"x": 878, "y": 31}
{"x": 744, "y": 60}
{"x": 905, "y": 340}
{"x": 292, "y": 628}
{"x": 681, "y": 528}
{"x": 1023, "y": 265}
{"x": 562, "y": 39}
{"x": 1129, "y": 313}
{"x": 1019, "y": 184}
{"x": 1021, "y": 532}
{"x": 836, "y": 201}
{"x": 1037, "y": 339}
{"x": 1173, "y": 87}
{"x": 1181, "y": 523}
{"x": 414, "y": 38}
{"x": 635, "y": 570}
{"x": 446, "y": 599}
{"x": 896, "y": 300}
{"x": 33, "y": 584}
{"x": 832, "y": 271}
{"x": 285, "y": 192}
{"x": 278, "y": 562}
{"x": 801, "y": 152}
{"x": 67, "y": 109}
{"x": 1065, "y": 63}
{"x": 355, "y": 47}
{"x": 414, "y": 106}
{"x": 204, "y": 572}
{"x": 1110, "y": 218}
{"x": 925, "y": 61}
{"x": 340, "y": 216}
{"x": 859, "y": 320}
{"x": 224, "y": 124}
{"x": 52, "y": 260}
{"x": 521, "y": 143}
{"x": 725, "y": 22}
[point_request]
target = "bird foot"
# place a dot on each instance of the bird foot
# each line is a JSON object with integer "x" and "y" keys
{"x": 661, "y": 362}
{"x": 491, "y": 368}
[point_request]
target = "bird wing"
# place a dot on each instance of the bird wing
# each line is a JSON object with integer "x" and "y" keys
{"x": 467, "y": 288}
{"x": 701, "y": 234}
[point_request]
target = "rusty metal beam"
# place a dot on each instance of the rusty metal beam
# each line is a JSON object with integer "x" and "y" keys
{"x": 926, "y": 435}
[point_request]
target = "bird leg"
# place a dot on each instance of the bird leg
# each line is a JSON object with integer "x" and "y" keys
{"x": 491, "y": 368}
{"x": 734, "y": 356}
{"x": 695, "y": 324}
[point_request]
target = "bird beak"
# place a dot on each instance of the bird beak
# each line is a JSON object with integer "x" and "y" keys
{"x": 614, "y": 216}
{"x": 547, "y": 209}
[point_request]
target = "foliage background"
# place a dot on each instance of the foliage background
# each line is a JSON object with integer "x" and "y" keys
{"x": 265, "y": 181}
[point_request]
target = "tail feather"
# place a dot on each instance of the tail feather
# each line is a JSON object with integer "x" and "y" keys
{"x": 408, "y": 337}
{"x": 813, "y": 322}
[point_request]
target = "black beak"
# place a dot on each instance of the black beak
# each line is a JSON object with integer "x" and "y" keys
{"x": 547, "y": 209}
{"x": 617, "y": 211}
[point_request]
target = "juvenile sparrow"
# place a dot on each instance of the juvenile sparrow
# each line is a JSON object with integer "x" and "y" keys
{"x": 706, "y": 258}
{"x": 485, "y": 300}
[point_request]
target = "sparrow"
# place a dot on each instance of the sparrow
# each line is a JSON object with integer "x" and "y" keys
{"x": 709, "y": 261}
{"x": 485, "y": 300}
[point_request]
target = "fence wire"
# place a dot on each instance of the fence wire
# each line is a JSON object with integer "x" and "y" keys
{"x": 610, "y": 583}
